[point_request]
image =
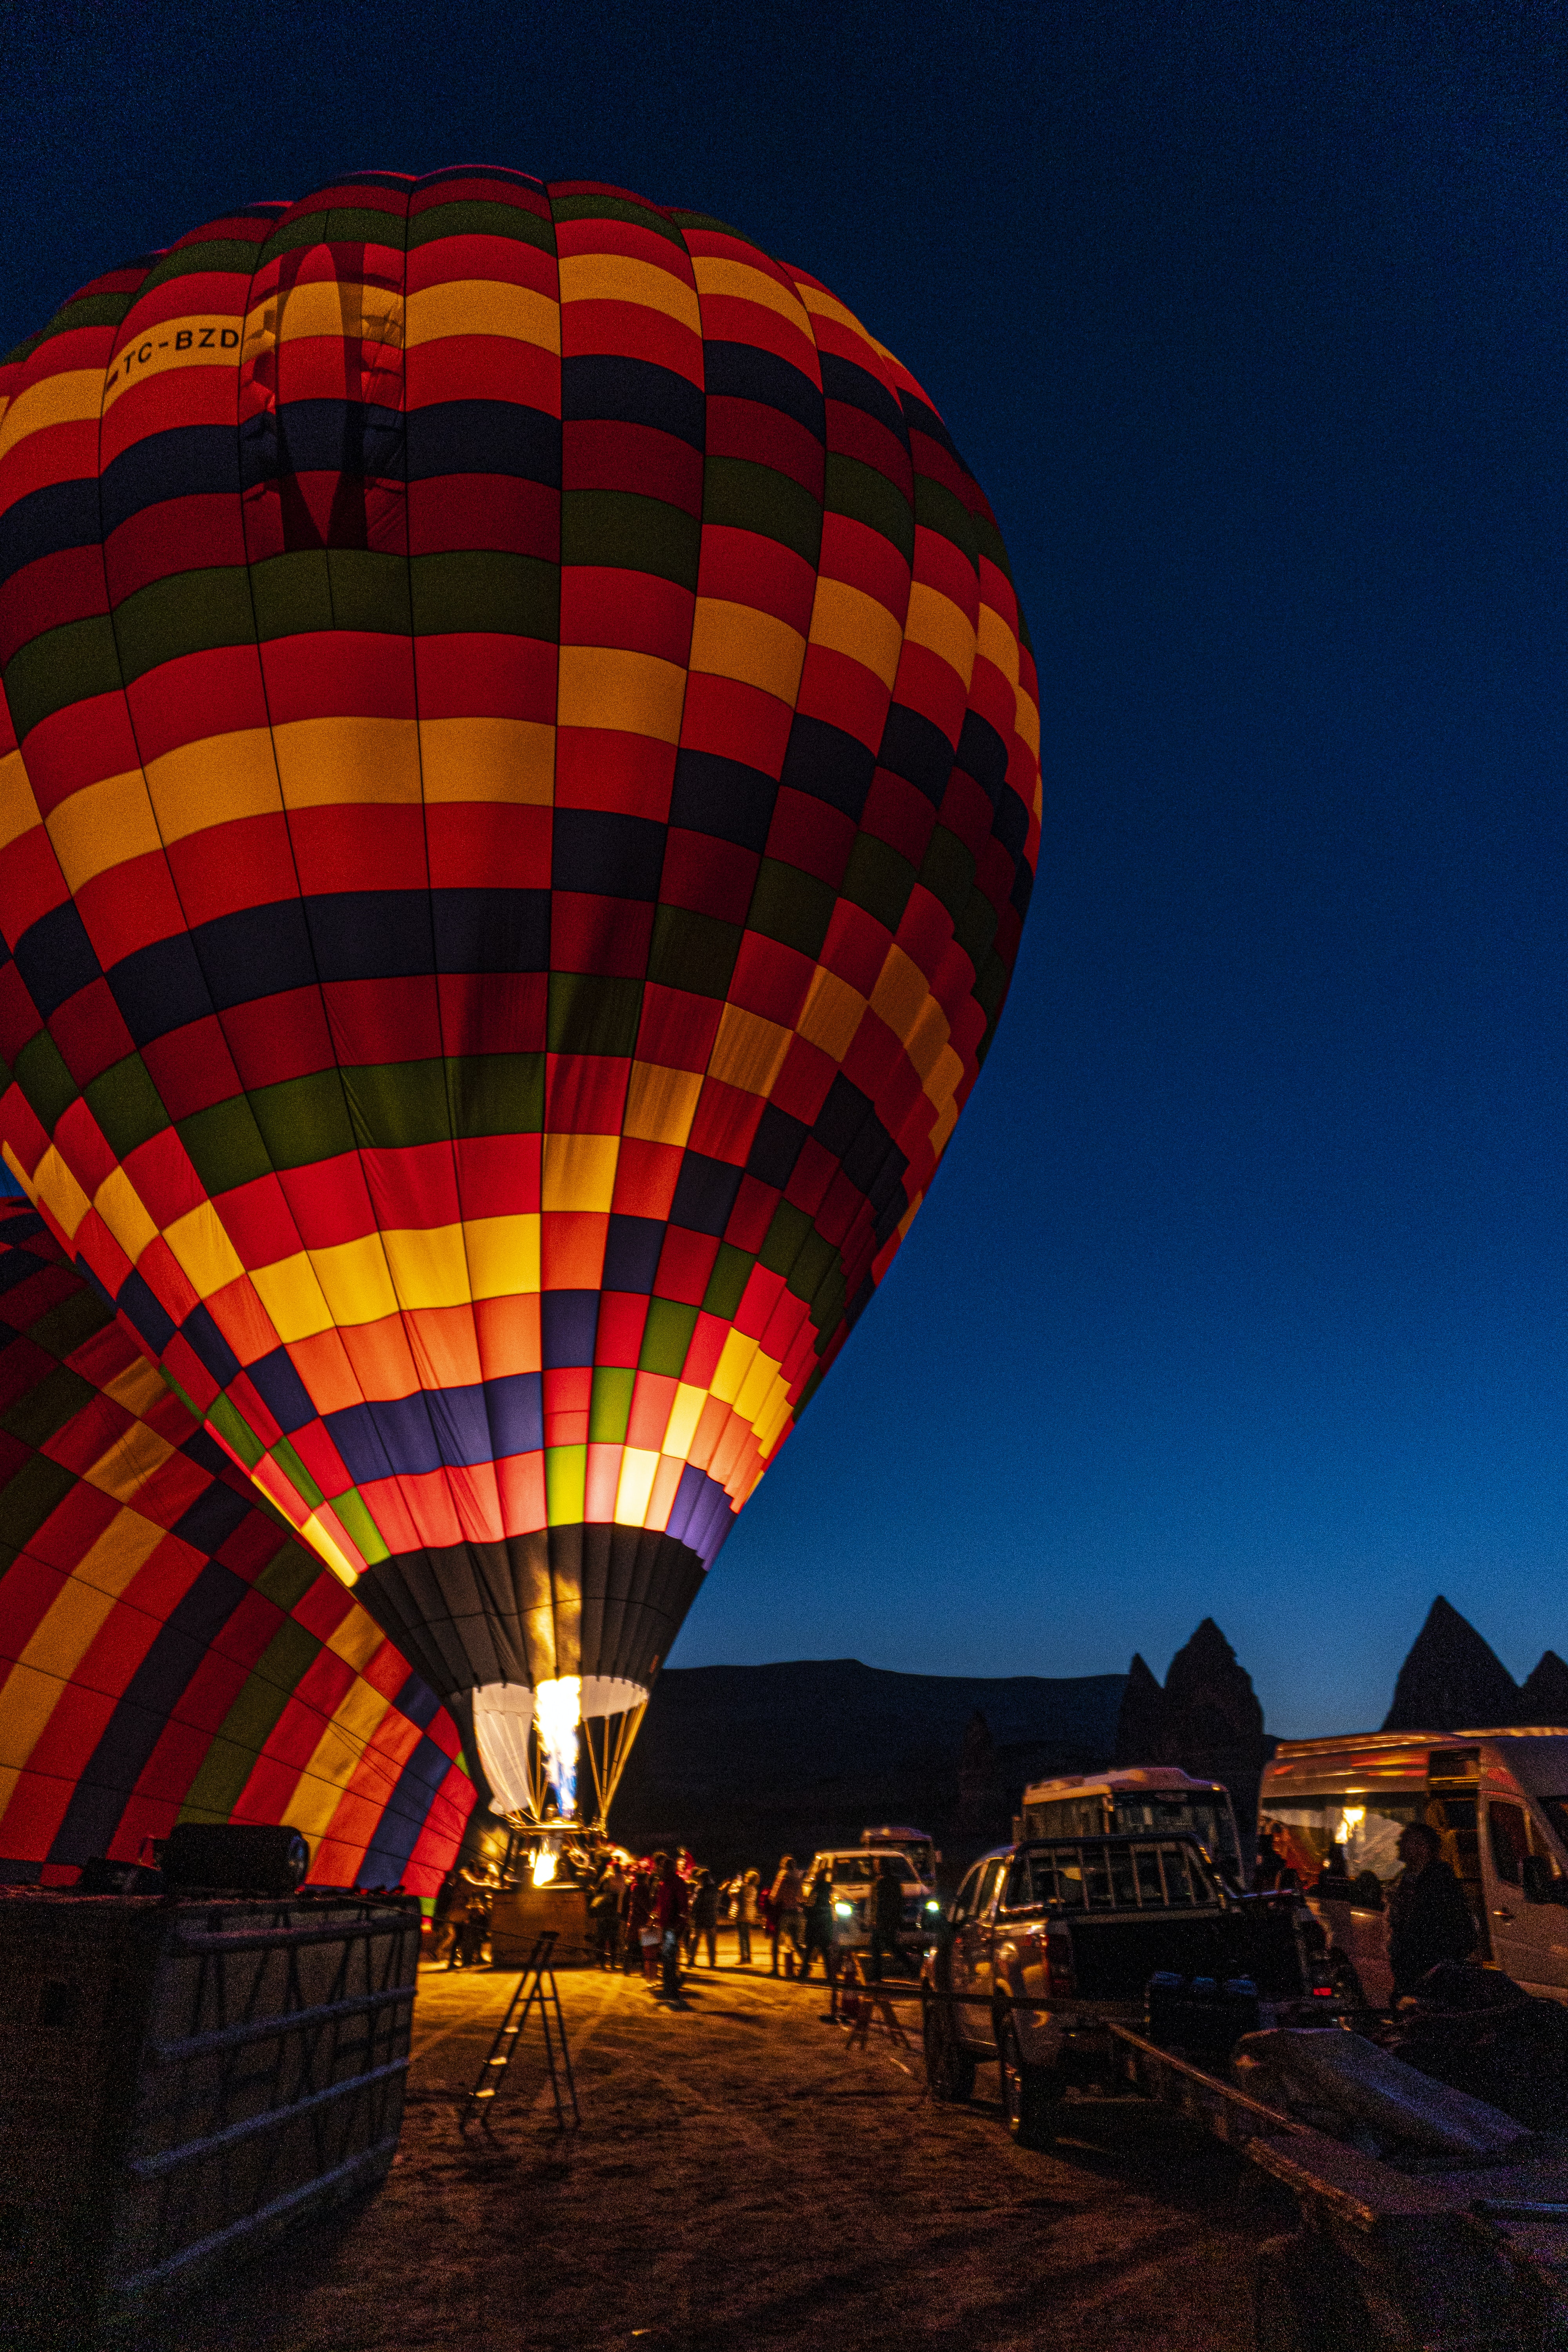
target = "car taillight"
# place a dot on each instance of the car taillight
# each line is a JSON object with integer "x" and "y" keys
{"x": 1061, "y": 1980}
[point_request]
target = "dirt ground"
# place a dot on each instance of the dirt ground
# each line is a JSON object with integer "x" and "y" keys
{"x": 743, "y": 2176}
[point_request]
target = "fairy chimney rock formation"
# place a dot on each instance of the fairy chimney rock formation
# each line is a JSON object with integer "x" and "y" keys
{"x": 1544, "y": 1694}
{"x": 1452, "y": 1680}
{"x": 1208, "y": 1720}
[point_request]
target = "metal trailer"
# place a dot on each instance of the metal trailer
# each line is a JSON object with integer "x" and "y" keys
{"x": 1450, "y": 2255}
{"x": 183, "y": 2079}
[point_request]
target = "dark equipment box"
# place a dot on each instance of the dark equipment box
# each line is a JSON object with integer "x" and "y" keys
{"x": 182, "y": 2079}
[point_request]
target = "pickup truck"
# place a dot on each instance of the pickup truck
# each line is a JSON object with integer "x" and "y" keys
{"x": 1051, "y": 1942}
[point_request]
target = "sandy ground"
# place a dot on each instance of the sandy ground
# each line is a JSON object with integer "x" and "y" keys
{"x": 742, "y": 2176}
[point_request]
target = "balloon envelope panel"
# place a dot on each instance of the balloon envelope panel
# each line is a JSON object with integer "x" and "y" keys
{"x": 167, "y": 1650}
{"x": 522, "y": 793}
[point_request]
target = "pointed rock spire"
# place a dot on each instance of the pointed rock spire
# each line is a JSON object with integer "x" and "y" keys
{"x": 1544, "y": 1694}
{"x": 1143, "y": 1728}
{"x": 1452, "y": 1680}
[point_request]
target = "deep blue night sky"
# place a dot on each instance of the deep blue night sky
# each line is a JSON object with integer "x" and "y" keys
{"x": 1243, "y": 1287}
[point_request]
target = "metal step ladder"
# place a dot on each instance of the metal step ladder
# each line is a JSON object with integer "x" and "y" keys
{"x": 536, "y": 1991}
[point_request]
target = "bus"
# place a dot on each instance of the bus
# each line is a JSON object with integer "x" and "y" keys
{"x": 1141, "y": 1796}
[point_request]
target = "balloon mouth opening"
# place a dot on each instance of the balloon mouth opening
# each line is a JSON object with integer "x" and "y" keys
{"x": 553, "y": 1752}
{"x": 557, "y": 1712}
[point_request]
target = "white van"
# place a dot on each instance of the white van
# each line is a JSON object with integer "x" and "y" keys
{"x": 1499, "y": 1799}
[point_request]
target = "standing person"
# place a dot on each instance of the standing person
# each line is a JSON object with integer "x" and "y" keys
{"x": 444, "y": 1920}
{"x": 885, "y": 1915}
{"x": 819, "y": 1923}
{"x": 1269, "y": 1868}
{"x": 705, "y": 1917}
{"x": 641, "y": 1937}
{"x": 1428, "y": 1918}
{"x": 746, "y": 1897}
{"x": 788, "y": 1918}
{"x": 476, "y": 1927}
{"x": 671, "y": 1903}
{"x": 606, "y": 1910}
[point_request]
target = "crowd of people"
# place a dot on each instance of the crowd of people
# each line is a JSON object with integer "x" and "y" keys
{"x": 652, "y": 1916}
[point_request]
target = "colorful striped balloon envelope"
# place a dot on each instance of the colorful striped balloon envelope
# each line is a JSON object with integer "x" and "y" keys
{"x": 168, "y": 1651}
{"x": 520, "y": 794}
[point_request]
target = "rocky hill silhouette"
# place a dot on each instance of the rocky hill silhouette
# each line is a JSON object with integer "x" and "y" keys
{"x": 744, "y": 1763}
{"x": 1454, "y": 1681}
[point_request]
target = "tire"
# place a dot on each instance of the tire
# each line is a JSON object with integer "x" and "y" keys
{"x": 950, "y": 2071}
{"x": 1029, "y": 2094}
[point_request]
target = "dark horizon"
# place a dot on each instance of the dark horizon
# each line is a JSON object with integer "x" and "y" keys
{"x": 1241, "y": 1291}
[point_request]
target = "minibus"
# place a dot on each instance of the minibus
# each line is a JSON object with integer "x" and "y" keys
{"x": 1137, "y": 1798}
{"x": 1499, "y": 1799}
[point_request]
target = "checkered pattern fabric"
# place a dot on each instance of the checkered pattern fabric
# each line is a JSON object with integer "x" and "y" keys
{"x": 167, "y": 1650}
{"x": 520, "y": 791}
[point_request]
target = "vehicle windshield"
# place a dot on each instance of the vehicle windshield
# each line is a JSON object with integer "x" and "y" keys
{"x": 1556, "y": 1811}
{"x": 921, "y": 1859}
{"x": 859, "y": 1869}
{"x": 1134, "y": 1877}
{"x": 1366, "y": 1829}
{"x": 1208, "y": 1818}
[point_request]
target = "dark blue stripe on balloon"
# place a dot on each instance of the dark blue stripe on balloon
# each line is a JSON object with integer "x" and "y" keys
{"x": 47, "y": 521}
{"x": 741, "y": 372}
{"x": 187, "y": 461}
{"x": 842, "y": 380}
{"x": 484, "y": 436}
{"x": 442, "y": 1428}
{"x": 633, "y": 392}
{"x": 722, "y": 797}
{"x": 55, "y": 958}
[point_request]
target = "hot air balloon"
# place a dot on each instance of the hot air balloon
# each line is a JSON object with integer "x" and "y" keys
{"x": 521, "y": 793}
{"x": 168, "y": 1651}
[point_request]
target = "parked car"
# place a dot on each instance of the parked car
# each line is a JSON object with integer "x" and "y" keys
{"x": 1049, "y": 1943}
{"x": 853, "y": 1870}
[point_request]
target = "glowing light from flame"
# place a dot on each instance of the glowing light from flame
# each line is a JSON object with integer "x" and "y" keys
{"x": 545, "y": 1866}
{"x": 557, "y": 1712}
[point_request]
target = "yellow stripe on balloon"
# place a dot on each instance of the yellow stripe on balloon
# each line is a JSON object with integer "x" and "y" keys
{"x": 718, "y": 274}
{"x": 749, "y": 1050}
{"x": 124, "y": 1469}
{"x": 18, "y": 806}
{"x": 215, "y": 781}
{"x": 997, "y": 642}
{"x": 849, "y": 622}
{"x": 637, "y": 1471}
{"x": 629, "y": 693}
{"x": 506, "y": 760}
{"x": 935, "y": 622}
{"x": 482, "y": 306}
{"x": 324, "y": 762}
{"x": 503, "y": 1256}
{"x": 579, "y": 1173}
{"x": 617, "y": 278}
{"x": 831, "y": 1013}
{"x": 660, "y": 1103}
{"x": 204, "y": 1249}
{"x": 64, "y": 399}
{"x": 293, "y": 1298}
{"x": 428, "y": 1266}
{"x": 730, "y": 640}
